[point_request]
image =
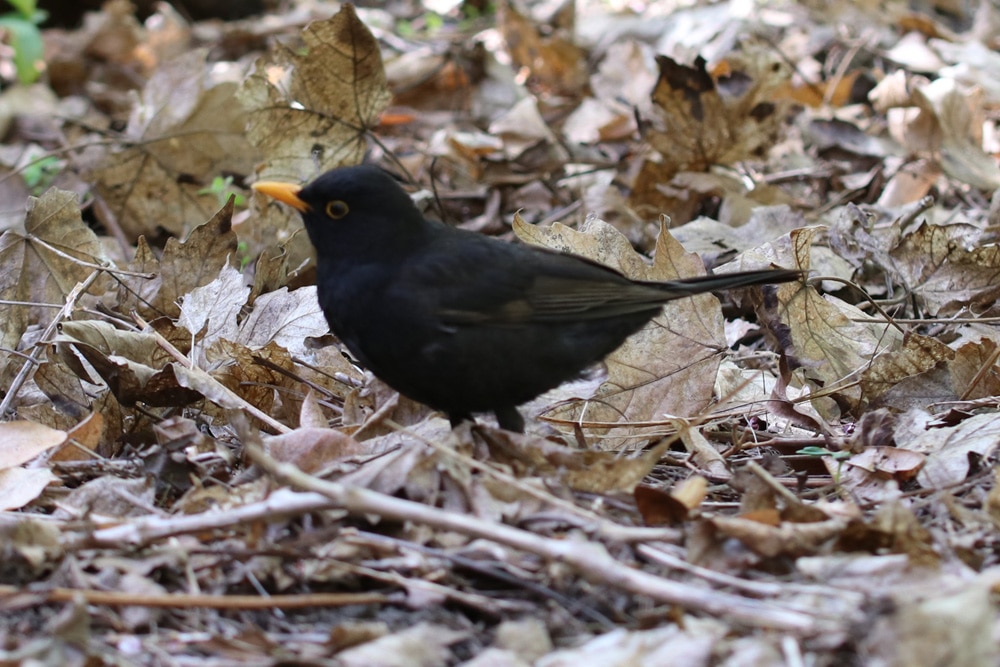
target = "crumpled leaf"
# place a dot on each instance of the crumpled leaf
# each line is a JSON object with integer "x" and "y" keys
{"x": 286, "y": 318}
{"x": 942, "y": 118}
{"x": 948, "y": 449}
{"x": 556, "y": 63}
{"x": 210, "y": 312}
{"x": 918, "y": 354}
{"x": 114, "y": 354}
{"x": 946, "y": 267}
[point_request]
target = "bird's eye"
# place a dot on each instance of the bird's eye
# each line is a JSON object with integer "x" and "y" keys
{"x": 337, "y": 209}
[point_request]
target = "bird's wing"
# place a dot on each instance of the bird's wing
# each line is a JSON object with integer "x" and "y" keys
{"x": 498, "y": 284}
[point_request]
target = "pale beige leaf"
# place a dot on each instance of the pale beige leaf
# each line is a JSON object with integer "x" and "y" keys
{"x": 19, "y": 486}
{"x": 21, "y": 441}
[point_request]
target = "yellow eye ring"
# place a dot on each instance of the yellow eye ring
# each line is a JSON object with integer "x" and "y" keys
{"x": 337, "y": 209}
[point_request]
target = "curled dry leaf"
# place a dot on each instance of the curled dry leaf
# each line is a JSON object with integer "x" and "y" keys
{"x": 948, "y": 449}
{"x": 109, "y": 496}
{"x": 793, "y": 539}
{"x": 312, "y": 449}
{"x": 590, "y": 471}
{"x": 918, "y": 354}
{"x": 943, "y": 118}
{"x": 210, "y": 312}
{"x": 115, "y": 355}
{"x": 946, "y": 267}
{"x": 704, "y": 118}
{"x": 659, "y": 508}
{"x": 974, "y": 373}
{"x": 86, "y": 436}
{"x": 887, "y": 462}
{"x": 556, "y": 64}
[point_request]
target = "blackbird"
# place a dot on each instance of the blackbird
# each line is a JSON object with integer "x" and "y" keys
{"x": 457, "y": 320}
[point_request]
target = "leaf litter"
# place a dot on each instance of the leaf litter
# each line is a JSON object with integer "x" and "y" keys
{"x": 194, "y": 471}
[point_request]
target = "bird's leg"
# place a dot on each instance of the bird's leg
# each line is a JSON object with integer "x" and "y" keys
{"x": 510, "y": 419}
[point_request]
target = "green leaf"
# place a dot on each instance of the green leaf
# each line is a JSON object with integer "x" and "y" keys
{"x": 26, "y": 8}
{"x": 38, "y": 175}
{"x": 26, "y": 40}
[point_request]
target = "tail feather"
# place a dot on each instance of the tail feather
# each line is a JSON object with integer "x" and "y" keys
{"x": 723, "y": 281}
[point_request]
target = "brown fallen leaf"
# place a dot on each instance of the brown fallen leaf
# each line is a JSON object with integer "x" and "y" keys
{"x": 946, "y": 267}
{"x": 918, "y": 354}
{"x": 183, "y": 266}
{"x": 662, "y": 508}
{"x": 185, "y": 132}
{"x": 24, "y": 440}
{"x": 792, "y": 539}
{"x": 309, "y": 110}
{"x": 974, "y": 373}
{"x": 669, "y": 367}
{"x": 42, "y": 264}
{"x": 557, "y": 65}
{"x": 832, "y": 341}
{"x": 312, "y": 449}
{"x": 717, "y": 117}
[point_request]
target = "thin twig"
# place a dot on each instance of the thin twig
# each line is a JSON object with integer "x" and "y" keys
{"x": 590, "y": 559}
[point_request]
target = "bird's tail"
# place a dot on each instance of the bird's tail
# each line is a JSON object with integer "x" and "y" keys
{"x": 723, "y": 281}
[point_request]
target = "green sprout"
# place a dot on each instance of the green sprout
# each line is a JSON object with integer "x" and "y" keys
{"x": 25, "y": 38}
{"x": 222, "y": 188}
{"x": 429, "y": 22}
{"x": 243, "y": 254}
{"x": 39, "y": 174}
{"x": 839, "y": 457}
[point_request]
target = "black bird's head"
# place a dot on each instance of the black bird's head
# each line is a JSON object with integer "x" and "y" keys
{"x": 348, "y": 210}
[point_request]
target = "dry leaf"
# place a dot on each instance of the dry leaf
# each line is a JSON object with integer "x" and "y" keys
{"x": 312, "y": 449}
{"x": 184, "y": 266}
{"x": 948, "y": 449}
{"x": 185, "y": 132}
{"x": 309, "y": 112}
{"x": 19, "y": 486}
{"x": 667, "y": 368}
{"x": 711, "y": 118}
{"x": 21, "y": 441}
{"x": 55, "y": 253}
{"x": 556, "y": 64}
{"x": 831, "y": 340}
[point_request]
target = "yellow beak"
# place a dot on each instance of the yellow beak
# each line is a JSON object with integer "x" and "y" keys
{"x": 287, "y": 193}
